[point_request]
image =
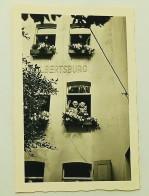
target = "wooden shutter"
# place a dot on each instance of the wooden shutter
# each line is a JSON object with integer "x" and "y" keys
{"x": 102, "y": 170}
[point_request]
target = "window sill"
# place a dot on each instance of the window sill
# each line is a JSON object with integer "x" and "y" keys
{"x": 74, "y": 179}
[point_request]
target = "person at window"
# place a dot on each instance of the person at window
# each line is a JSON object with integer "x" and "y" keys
{"x": 46, "y": 39}
{"x": 73, "y": 109}
{"x": 82, "y": 110}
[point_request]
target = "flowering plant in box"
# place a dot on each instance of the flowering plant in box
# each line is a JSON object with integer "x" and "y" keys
{"x": 44, "y": 48}
{"x": 79, "y": 116}
{"x": 89, "y": 50}
{"x": 80, "y": 48}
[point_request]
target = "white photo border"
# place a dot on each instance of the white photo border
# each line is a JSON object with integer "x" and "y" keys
{"x": 20, "y": 185}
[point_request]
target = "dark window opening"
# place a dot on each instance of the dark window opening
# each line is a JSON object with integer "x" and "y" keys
{"x": 45, "y": 38}
{"x": 45, "y": 102}
{"x": 83, "y": 39}
{"x": 79, "y": 91}
{"x": 46, "y": 105}
{"x": 77, "y": 170}
{"x": 81, "y": 98}
{"x": 34, "y": 171}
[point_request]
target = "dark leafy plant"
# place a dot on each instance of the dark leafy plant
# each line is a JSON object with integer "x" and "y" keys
{"x": 24, "y": 34}
{"x": 78, "y": 116}
{"x": 79, "y": 121}
{"x": 35, "y": 90}
{"x": 87, "y": 21}
{"x": 81, "y": 20}
{"x": 35, "y": 46}
{"x": 39, "y": 17}
{"x": 44, "y": 48}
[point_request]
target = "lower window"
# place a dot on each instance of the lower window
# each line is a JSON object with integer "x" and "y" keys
{"x": 77, "y": 171}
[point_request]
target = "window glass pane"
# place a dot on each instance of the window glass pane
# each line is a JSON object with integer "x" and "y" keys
{"x": 80, "y": 38}
{"x": 47, "y": 39}
{"x": 77, "y": 170}
{"x": 79, "y": 89}
{"x": 34, "y": 169}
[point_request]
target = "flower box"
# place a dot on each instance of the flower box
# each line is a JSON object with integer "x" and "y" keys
{"x": 87, "y": 123}
{"x": 77, "y": 124}
{"x": 80, "y": 50}
{"x": 80, "y": 127}
{"x": 38, "y": 53}
{"x": 42, "y": 50}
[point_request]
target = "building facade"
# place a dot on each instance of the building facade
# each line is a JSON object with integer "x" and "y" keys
{"x": 83, "y": 152}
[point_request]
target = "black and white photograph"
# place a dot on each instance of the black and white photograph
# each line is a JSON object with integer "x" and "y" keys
{"x": 75, "y": 98}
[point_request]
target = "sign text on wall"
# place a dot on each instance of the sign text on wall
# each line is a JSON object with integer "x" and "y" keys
{"x": 65, "y": 69}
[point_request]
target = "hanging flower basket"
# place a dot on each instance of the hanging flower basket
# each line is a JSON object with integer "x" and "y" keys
{"x": 42, "y": 50}
{"x": 81, "y": 50}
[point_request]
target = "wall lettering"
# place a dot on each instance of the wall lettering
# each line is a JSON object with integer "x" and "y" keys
{"x": 65, "y": 69}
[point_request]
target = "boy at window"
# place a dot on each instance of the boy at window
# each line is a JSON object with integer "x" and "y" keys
{"x": 82, "y": 110}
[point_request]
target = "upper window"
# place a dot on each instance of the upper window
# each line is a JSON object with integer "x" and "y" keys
{"x": 47, "y": 39}
{"x": 80, "y": 39}
{"x": 44, "y": 43}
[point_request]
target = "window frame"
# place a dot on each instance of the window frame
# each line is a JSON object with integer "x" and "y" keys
{"x": 83, "y": 51}
{"x": 73, "y": 178}
{"x": 75, "y": 83}
{"x": 48, "y": 53}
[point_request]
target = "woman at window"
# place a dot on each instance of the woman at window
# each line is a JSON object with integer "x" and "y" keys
{"x": 73, "y": 109}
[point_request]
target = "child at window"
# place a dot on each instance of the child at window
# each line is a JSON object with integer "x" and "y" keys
{"x": 82, "y": 109}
